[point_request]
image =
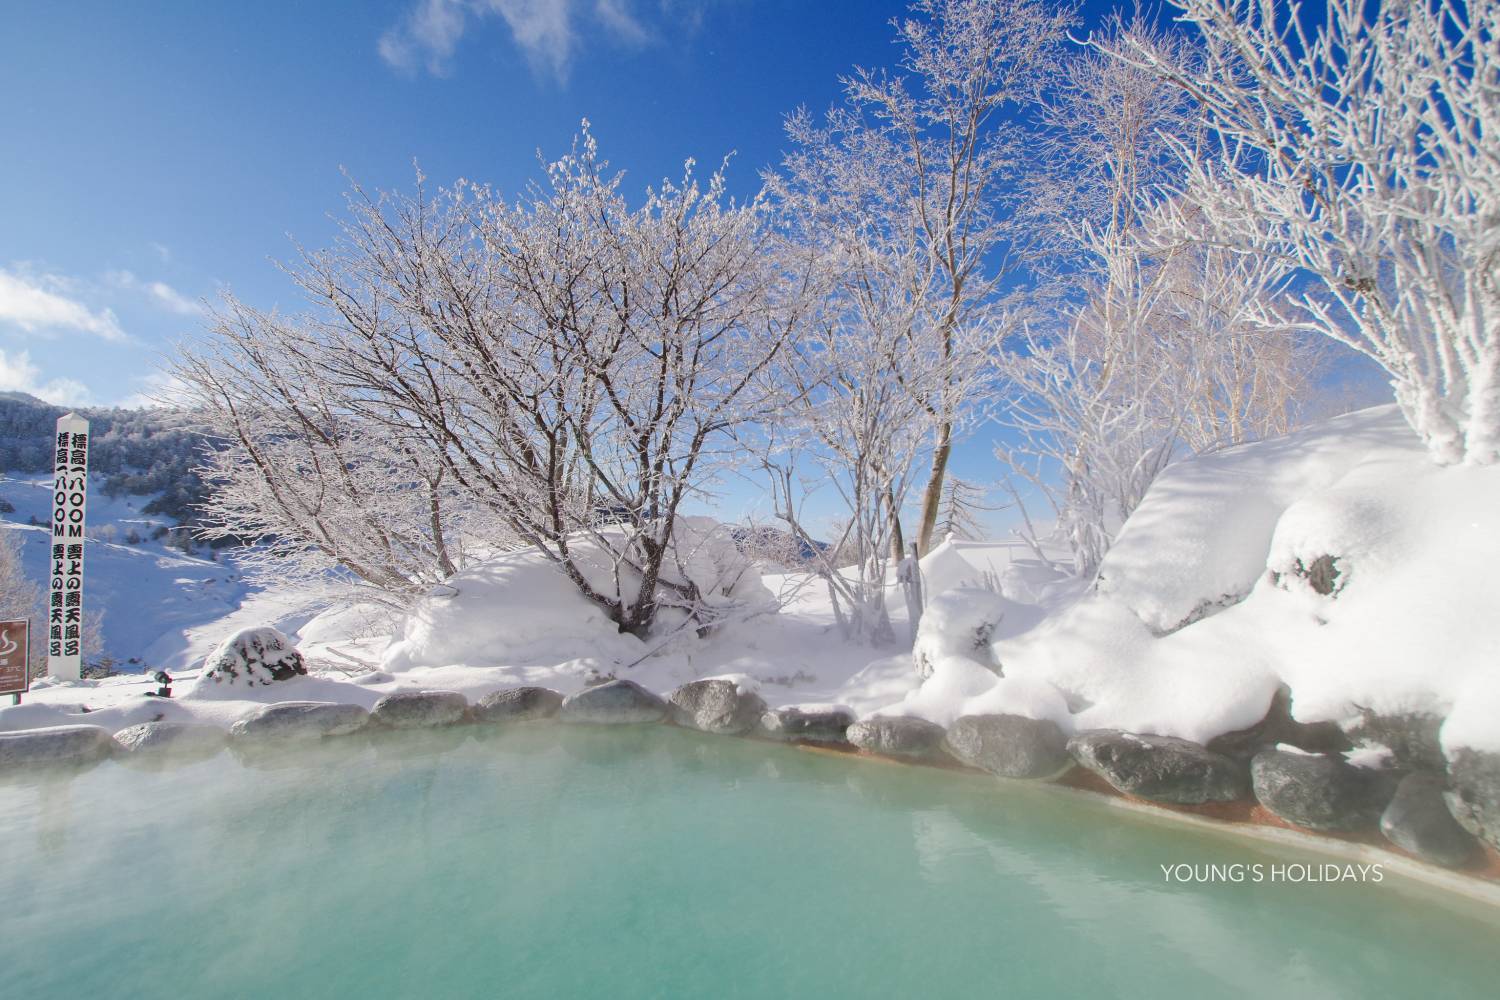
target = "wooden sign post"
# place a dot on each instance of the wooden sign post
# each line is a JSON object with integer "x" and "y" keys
{"x": 65, "y": 597}
{"x": 15, "y": 656}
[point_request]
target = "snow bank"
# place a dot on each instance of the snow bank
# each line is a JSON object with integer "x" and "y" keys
{"x": 1204, "y": 605}
{"x": 511, "y": 608}
{"x": 1201, "y": 537}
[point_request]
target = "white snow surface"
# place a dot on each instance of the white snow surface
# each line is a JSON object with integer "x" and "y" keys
{"x": 1411, "y": 625}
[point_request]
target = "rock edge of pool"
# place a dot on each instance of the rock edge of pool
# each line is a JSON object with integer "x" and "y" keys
{"x": 1261, "y": 782}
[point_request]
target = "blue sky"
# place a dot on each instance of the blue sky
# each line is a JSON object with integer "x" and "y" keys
{"x": 155, "y": 153}
{"x": 158, "y": 152}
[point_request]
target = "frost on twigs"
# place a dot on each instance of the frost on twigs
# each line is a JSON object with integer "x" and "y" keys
{"x": 253, "y": 657}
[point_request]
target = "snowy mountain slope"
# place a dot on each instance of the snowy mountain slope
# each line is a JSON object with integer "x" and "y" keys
{"x": 162, "y": 607}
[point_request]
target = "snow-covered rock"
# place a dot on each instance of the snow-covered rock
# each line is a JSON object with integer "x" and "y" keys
{"x": 809, "y": 723}
{"x": 251, "y": 657}
{"x": 1010, "y": 746}
{"x": 54, "y": 745}
{"x": 1410, "y": 738}
{"x": 518, "y": 704}
{"x": 419, "y": 709}
{"x": 613, "y": 702}
{"x": 1203, "y": 534}
{"x": 179, "y": 740}
{"x": 1160, "y": 768}
{"x": 897, "y": 736}
{"x": 1320, "y": 791}
{"x": 965, "y": 622}
{"x": 1278, "y": 728}
{"x": 1417, "y": 820}
{"x": 716, "y": 705}
{"x": 1474, "y": 798}
{"x": 300, "y": 720}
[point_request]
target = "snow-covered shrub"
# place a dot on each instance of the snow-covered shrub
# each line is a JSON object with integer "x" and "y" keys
{"x": 707, "y": 578}
{"x": 520, "y": 604}
{"x": 963, "y": 623}
{"x": 252, "y": 657}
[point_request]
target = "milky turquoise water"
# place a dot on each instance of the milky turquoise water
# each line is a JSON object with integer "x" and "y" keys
{"x": 546, "y": 861}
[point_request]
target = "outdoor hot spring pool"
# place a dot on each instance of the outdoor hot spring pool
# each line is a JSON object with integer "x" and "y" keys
{"x": 549, "y": 861}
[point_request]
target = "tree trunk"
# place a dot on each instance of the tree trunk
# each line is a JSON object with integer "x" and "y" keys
{"x": 932, "y": 496}
{"x": 898, "y": 543}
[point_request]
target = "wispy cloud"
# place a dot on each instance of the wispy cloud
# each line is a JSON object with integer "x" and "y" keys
{"x": 47, "y": 303}
{"x": 160, "y": 293}
{"x": 19, "y": 374}
{"x": 157, "y": 389}
{"x": 546, "y": 31}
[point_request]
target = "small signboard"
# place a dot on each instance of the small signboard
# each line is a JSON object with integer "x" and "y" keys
{"x": 15, "y": 654}
{"x": 65, "y": 596}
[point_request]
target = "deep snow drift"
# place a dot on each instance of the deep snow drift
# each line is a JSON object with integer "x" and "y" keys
{"x": 1204, "y": 605}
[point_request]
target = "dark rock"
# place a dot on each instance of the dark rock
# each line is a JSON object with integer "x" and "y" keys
{"x": 1412, "y": 738}
{"x": 1474, "y": 795}
{"x": 518, "y": 704}
{"x": 185, "y": 740}
{"x": 897, "y": 736}
{"x": 1011, "y": 746}
{"x": 613, "y": 702}
{"x": 1322, "y": 574}
{"x": 715, "y": 705}
{"x": 1160, "y": 768}
{"x": 54, "y": 745}
{"x": 1418, "y": 820}
{"x": 1278, "y": 726}
{"x": 419, "y": 709}
{"x": 1320, "y": 791}
{"x": 300, "y": 720}
{"x": 813, "y": 725}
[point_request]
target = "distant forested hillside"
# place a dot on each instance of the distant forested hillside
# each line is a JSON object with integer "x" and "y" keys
{"x": 138, "y": 451}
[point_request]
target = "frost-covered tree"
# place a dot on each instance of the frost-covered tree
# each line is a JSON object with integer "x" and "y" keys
{"x": 327, "y": 495}
{"x": 566, "y": 366}
{"x": 853, "y": 425}
{"x": 1144, "y": 348}
{"x": 918, "y": 164}
{"x": 20, "y": 596}
{"x": 1358, "y": 149}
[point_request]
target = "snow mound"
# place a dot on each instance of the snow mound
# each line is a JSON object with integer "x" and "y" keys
{"x": 964, "y": 623}
{"x": 511, "y": 608}
{"x": 1202, "y": 536}
{"x": 520, "y": 606}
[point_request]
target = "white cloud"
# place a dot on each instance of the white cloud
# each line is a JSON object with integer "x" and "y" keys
{"x": 622, "y": 25}
{"x": 18, "y": 374}
{"x": 161, "y": 250}
{"x": 426, "y": 35}
{"x": 160, "y": 293}
{"x": 546, "y": 31}
{"x": 158, "y": 389}
{"x": 42, "y": 302}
